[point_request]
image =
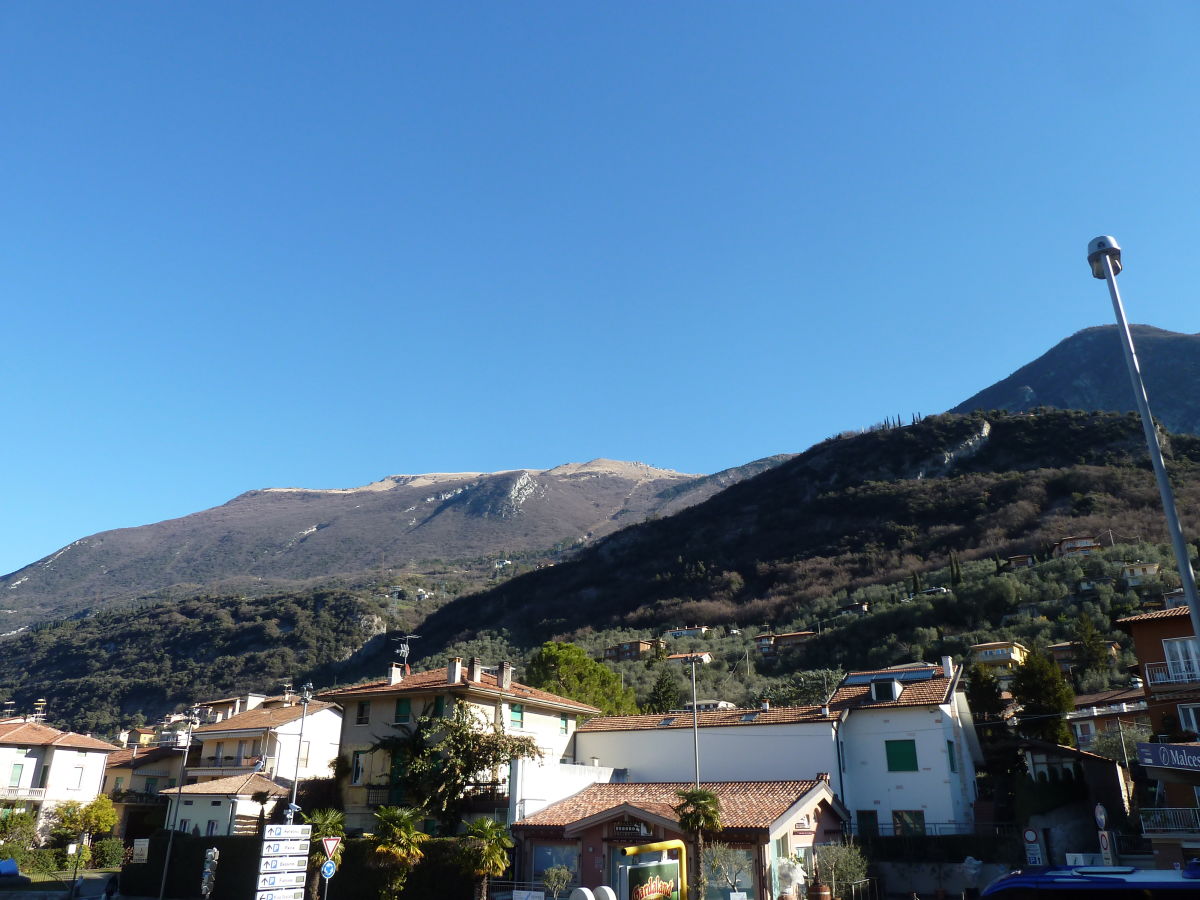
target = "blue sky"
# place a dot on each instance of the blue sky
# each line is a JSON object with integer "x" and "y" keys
{"x": 314, "y": 244}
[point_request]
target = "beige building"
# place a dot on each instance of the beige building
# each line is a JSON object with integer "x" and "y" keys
{"x": 389, "y": 708}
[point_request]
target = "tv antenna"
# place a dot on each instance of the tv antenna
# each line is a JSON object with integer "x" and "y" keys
{"x": 403, "y": 650}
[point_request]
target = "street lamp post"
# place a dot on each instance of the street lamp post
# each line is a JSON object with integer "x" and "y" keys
{"x": 1104, "y": 256}
{"x": 306, "y": 695}
{"x": 693, "y": 659}
{"x": 185, "y": 746}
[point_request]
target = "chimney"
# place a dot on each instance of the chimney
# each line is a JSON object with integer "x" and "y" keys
{"x": 823, "y": 776}
{"x": 395, "y": 673}
{"x": 766, "y": 704}
{"x": 948, "y": 666}
{"x": 475, "y": 669}
{"x": 825, "y": 711}
{"x": 505, "y": 677}
{"x": 454, "y": 670}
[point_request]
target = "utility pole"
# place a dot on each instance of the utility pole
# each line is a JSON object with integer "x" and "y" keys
{"x": 1104, "y": 256}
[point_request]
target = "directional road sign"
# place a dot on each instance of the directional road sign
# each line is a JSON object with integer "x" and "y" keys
{"x": 284, "y": 848}
{"x": 273, "y": 880}
{"x": 283, "y": 864}
{"x": 285, "y": 894}
{"x": 287, "y": 832}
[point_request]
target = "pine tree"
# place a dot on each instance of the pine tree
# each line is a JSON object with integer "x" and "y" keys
{"x": 1045, "y": 699}
{"x": 664, "y": 696}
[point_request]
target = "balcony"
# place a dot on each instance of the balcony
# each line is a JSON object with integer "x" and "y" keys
{"x": 1182, "y": 819}
{"x": 141, "y": 798}
{"x": 20, "y": 793}
{"x": 1171, "y": 673}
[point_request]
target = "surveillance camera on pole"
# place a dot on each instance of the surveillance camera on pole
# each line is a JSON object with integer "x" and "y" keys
{"x": 1104, "y": 257}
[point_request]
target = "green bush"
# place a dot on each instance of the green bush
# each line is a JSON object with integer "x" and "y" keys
{"x": 108, "y": 853}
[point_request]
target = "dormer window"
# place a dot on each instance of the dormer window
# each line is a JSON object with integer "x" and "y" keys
{"x": 885, "y": 690}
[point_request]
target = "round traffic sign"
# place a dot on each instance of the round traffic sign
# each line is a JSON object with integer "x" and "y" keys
{"x": 1030, "y": 836}
{"x": 1101, "y": 815}
{"x": 328, "y": 868}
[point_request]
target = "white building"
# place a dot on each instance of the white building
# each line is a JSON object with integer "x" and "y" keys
{"x": 221, "y": 807}
{"x": 899, "y": 744}
{"x": 387, "y": 709}
{"x": 266, "y": 739}
{"x": 44, "y": 767}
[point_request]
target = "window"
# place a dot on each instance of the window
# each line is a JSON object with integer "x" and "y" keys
{"x": 304, "y": 748}
{"x": 119, "y": 783}
{"x": 564, "y": 724}
{"x": 868, "y": 822}
{"x": 183, "y": 825}
{"x": 211, "y": 828}
{"x": 363, "y": 714}
{"x": 188, "y": 802}
{"x": 1183, "y": 663}
{"x": 403, "y": 711}
{"x": 14, "y": 777}
{"x": 219, "y": 752}
{"x": 358, "y": 767}
{"x": 951, "y": 756}
{"x": 908, "y": 821}
{"x": 439, "y": 706}
{"x": 214, "y": 802}
{"x": 1189, "y": 718}
{"x": 151, "y": 785}
{"x": 901, "y": 756}
{"x": 516, "y": 715}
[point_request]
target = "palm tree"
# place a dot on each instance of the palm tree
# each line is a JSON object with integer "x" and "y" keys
{"x": 699, "y": 812}
{"x": 396, "y": 845}
{"x": 486, "y": 849}
{"x": 325, "y": 823}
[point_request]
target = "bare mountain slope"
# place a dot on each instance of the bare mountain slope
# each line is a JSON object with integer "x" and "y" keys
{"x": 1087, "y": 371}
{"x": 282, "y": 535}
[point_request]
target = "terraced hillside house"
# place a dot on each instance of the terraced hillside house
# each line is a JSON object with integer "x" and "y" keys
{"x": 267, "y": 739}
{"x": 390, "y": 708}
{"x": 766, "y": 822}
{"x": 43, "y": 767}
{"x": 899, "y": 743}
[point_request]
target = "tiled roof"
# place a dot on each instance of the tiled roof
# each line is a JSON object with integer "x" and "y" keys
{"x": 915, "y": 693}
{"x": 234, "y": 784}
{"x": 711, "y": 718}
{"x": 35, "y": 734}
{"x": 1171, "y": 613}
{"x": 262, "y": 718}
{"x": 744, "y": 804}
{"x": 127, "y": 758}
{"x": 435, "y": 679}
{"x": 1108, "y": 698}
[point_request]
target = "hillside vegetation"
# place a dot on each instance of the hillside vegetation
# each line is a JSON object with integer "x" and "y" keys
{"x": 871, "y": 518}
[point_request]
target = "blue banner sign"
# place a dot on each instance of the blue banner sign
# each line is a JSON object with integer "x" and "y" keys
{"x": 1170, "y": 756}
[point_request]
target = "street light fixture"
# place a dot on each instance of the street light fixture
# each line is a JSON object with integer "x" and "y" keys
{"x": 184, "y": 745}
{"x": 306, "y": 695}
{"x": 1104, "y": 256}
{"x": 693, "y": 659}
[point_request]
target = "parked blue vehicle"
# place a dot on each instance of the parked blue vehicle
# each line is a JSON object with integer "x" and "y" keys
{"x": 1097, "y": 883}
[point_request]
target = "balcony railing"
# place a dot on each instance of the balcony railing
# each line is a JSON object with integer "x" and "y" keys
{"x": 144, "y": 798}
{"x": 228, "y": 762}
{"x": 1171, "y": 673}
{"x": 1185, "y": 818}
{"x": 20, "y": 793}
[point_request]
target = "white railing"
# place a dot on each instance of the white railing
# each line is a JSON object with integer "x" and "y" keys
{"x": 1167, "y": 673}
{"x": 19, "y": 793}
{"x": 1185, "y": 818}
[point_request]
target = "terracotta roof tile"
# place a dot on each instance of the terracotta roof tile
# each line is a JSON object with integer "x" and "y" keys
{"x": 915, "y": 693}
{"x": 234, "y": 784}
{"x": 262, "y": 718}
{"x": 713, "y": 718}
{"x": 1171, "y": 613}
{"x": 126, "y": 758}
{"x": 435, "y": 679}
{"x": 744, "y": 804}
{"x": 36, "y": 734}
